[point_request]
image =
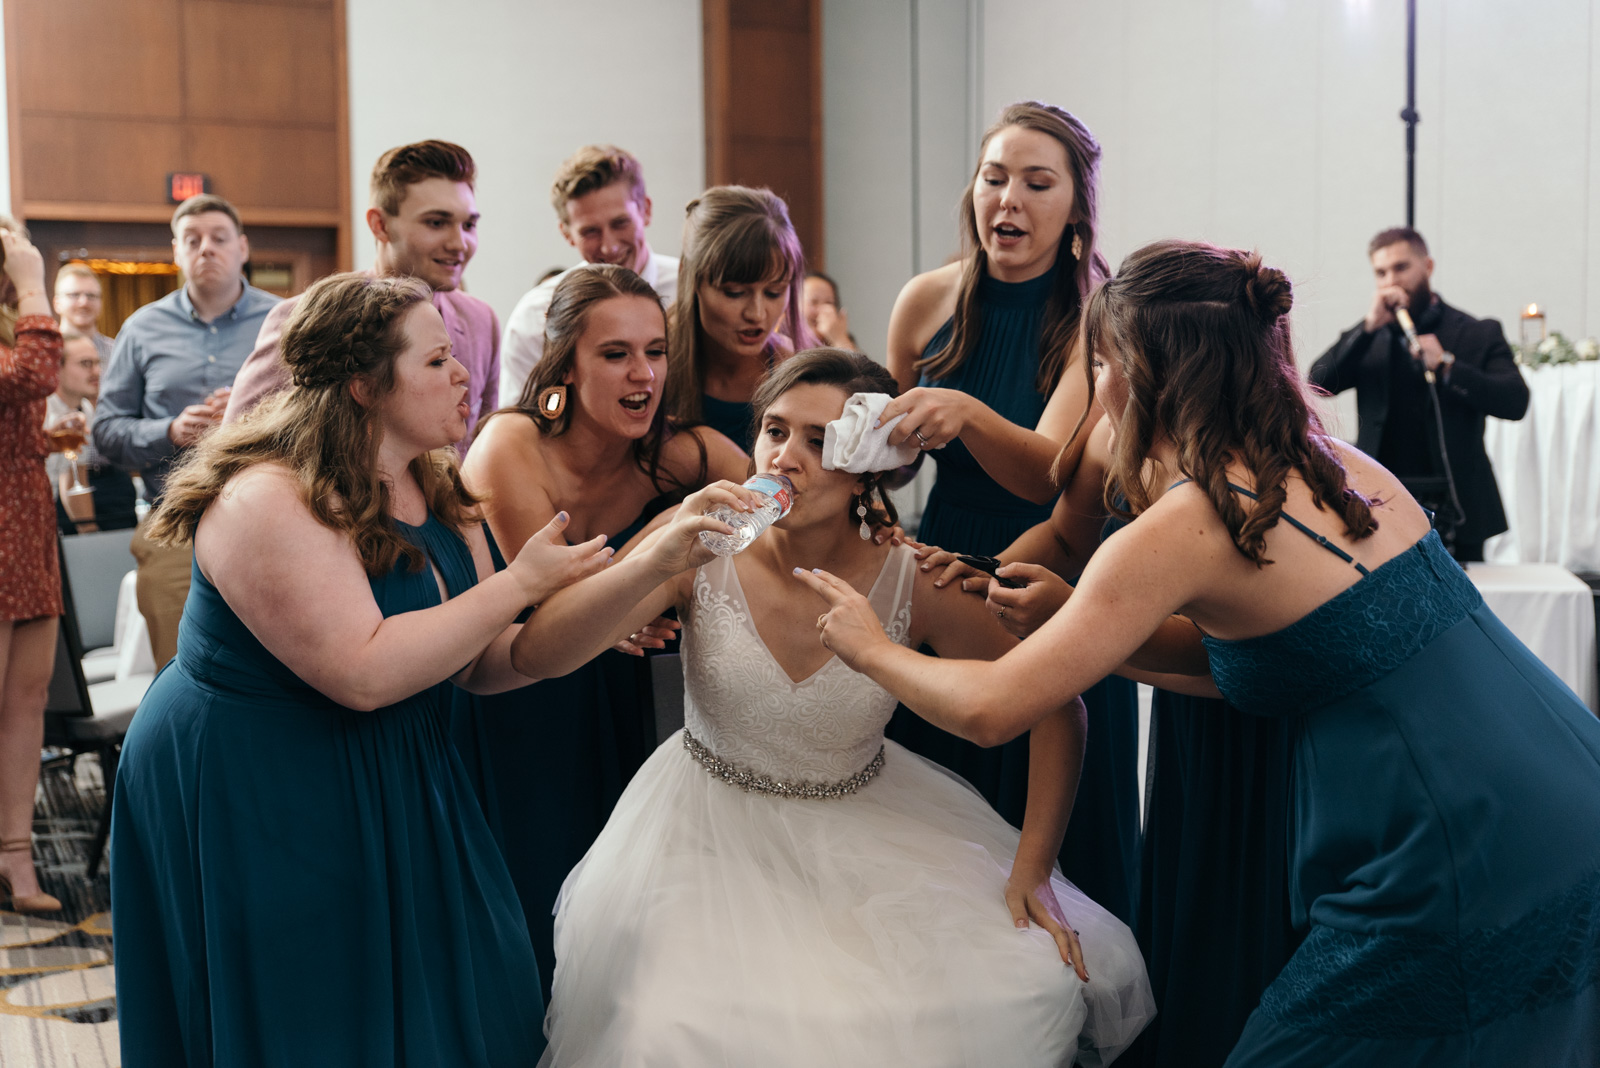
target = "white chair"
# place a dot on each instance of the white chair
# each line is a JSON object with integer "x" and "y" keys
{"x": 83, "y": 717}
{"x": 99, "y": 561}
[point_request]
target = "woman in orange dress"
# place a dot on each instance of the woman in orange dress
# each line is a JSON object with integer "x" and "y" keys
{"x": 30, "y": 580}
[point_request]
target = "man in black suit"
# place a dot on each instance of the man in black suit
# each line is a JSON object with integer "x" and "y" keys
{"x": 1476, "y": 377}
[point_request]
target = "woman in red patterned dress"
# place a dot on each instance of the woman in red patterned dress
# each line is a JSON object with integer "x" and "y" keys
{"x": 30, "y": 582}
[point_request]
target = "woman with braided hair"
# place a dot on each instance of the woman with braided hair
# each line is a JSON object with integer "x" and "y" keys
{"x": 1445, "y": 803}
{"x": 299, "y": 865}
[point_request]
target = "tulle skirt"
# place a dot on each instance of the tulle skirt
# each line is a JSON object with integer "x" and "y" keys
{"x": 708, "y": 926}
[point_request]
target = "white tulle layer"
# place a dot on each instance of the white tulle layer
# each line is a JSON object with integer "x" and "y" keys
{"x": 708, "y": 926}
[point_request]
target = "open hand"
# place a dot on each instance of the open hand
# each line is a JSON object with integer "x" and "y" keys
{"x": 546, "y": 562}
{"x": 849, "y": 628}
{"x": 933, "y": 417}
{"x": 1023, "y": 611}
{"x": 1034, "y": 899}
{"x": 653, "y": 635}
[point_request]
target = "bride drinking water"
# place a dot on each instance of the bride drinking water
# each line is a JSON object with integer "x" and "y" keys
{"x": 781, "y": 886}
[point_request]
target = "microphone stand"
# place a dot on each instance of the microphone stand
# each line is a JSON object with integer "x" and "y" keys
{"x": 1409, "y": 328}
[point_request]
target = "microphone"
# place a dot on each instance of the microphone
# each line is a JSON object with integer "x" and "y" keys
{"x": 1409, "y": 328}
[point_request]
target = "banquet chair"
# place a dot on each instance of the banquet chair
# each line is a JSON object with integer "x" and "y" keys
{"x": 84, "y": 717}
{"x": 666, "y": 682}
{"x": 98, "y": 561}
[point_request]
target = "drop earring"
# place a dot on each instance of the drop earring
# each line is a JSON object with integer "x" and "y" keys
{"x": 861, "y": 510}
{"x": 1077, "y": 245}
{"x": 552, "y": 401}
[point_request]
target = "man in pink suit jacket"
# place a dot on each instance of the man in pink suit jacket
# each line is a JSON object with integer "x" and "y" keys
{"x": 424, "y": 217}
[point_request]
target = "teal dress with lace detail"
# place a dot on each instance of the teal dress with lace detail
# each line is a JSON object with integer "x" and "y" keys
{"x": 1446, "y": 844}
{"x": 296, "y": 883}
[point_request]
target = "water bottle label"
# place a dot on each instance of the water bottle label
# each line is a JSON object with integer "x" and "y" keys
{"x": 779, "y": 489}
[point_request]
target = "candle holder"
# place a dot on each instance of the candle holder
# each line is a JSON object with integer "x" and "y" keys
{"x": 1532, "y": 327}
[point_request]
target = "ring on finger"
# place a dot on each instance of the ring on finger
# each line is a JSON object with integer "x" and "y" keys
{"x": 920, "y": 438}
{"x": 1002, "y": 613}
{"x": 822, "y": 620}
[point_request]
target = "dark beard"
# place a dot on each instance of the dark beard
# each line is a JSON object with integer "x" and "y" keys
{"x": 1421, "y": 300}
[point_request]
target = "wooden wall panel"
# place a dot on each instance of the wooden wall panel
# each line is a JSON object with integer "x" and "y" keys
{"x": 226, "y": 78}
{"x": 96, "y": 160}
{"x": 763, "y": 79}
{"x": 249, "y": 92}
{"x": 97, "y": 57}
{"x": 270, "y": 167}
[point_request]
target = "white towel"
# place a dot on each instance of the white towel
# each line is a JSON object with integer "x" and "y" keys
{"x": 854, "y": 443}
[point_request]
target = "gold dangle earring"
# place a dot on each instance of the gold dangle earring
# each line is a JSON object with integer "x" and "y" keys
{"x": 552, "y": 401}
{"x": 1077, "y": 245}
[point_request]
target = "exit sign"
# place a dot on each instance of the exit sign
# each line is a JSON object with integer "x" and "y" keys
{"x": 182, "y": 185}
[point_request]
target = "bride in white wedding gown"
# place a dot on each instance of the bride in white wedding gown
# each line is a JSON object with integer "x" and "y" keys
{"x": 779, "y": 885}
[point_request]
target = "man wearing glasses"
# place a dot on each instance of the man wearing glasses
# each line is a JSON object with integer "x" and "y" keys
{"x": 78, "y": 305}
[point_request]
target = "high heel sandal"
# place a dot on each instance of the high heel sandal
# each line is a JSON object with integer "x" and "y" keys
{"x": 32, "y": 902}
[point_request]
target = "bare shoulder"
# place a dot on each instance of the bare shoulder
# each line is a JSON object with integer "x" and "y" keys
{"x": 931, "y": 294}
{"x": 509, "y": 445}
{"x": 723, "y": 459}
{"x": 954, "y": 622}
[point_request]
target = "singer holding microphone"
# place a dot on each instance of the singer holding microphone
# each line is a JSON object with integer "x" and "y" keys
{"x": 1435, "y": 449}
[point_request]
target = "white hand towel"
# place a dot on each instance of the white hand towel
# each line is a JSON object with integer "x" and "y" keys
{"x": 854, "y": 443}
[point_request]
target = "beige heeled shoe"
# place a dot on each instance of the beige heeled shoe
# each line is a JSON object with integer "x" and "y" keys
{"x": 31, "y": 902}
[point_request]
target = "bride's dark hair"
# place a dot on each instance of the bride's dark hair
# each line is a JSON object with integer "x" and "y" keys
{"x": 1201, "y": 334}
{"x": 851, "y": 372}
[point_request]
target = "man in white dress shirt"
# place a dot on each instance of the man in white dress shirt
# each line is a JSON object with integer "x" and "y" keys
{"x": 600, "y": 201}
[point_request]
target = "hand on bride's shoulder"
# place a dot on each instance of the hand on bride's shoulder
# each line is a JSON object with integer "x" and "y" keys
{"x": 545, "y": 563}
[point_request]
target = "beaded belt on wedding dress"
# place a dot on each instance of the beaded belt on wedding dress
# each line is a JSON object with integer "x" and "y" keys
{"x": 762, "y": 784}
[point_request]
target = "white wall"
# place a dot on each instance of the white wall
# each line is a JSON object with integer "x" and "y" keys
{"x": 1270, "y": 124}
{"x": 521, "y": 85}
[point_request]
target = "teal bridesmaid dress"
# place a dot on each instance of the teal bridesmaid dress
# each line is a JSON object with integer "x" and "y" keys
{"x": 1445, "y": 855}
{"x": 299, "y": 884}
{"x": 970, "y": 512}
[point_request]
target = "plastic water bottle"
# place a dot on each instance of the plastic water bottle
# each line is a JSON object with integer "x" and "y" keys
{"x": 777, "y": 494}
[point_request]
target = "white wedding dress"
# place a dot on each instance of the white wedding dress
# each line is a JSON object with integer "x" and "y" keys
{"x": 716, "y": 925}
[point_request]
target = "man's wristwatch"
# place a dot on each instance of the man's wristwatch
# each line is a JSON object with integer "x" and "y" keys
{"x": 1447, "y": 360}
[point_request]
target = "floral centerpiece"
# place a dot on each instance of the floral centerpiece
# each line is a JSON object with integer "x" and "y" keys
{"x": 1557, "y": 349}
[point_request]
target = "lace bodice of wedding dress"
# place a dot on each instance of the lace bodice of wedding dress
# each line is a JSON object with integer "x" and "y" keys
{"x": 742, "y": 706}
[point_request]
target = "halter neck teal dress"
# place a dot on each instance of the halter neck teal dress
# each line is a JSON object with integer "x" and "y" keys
{"x": 297, "y": 883}
{"x": 1446, "y": 832}
{"x": 970, "y": 512}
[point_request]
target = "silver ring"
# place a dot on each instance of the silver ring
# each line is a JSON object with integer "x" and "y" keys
{"x": 920, "y": 438}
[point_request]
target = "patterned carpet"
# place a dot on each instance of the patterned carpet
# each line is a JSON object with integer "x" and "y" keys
{"x": 57, "y": 998}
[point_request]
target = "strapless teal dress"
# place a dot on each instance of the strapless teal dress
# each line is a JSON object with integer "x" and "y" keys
{"x": 297, "y": 884}
{"x": 1446, "y": 833}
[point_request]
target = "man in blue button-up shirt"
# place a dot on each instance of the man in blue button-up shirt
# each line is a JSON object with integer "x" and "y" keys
{"x": 168, "y": 379}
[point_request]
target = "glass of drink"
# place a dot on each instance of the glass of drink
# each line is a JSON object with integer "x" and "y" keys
{"x": 68, "y": 439}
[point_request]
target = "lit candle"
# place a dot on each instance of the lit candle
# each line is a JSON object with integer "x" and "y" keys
{"x": 1532, "y": 326}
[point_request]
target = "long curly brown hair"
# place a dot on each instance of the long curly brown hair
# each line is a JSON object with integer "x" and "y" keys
{"x": 1074, "y": 279}
{"x": 1201, "y": 334}
{"x": 346, "y": 327}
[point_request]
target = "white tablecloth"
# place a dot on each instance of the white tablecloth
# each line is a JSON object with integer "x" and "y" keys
{"x": 1546, "y": 464}
{"x": 1551, "y": 611}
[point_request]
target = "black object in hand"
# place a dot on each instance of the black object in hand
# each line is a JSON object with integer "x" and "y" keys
{"x": 988, "y": 564}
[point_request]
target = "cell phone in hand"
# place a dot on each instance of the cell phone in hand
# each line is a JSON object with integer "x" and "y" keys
{"x": 988, "y": 564}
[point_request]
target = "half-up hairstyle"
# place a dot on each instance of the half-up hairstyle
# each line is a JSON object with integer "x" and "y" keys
{"x": 1074, "y": 279}
{"x": 853, "y": 373}
{"x": 1201, "y": 334}
{"x": 733, "y": 235}
{"x": 576, "y": 295}
{"x": 345, "y": 328}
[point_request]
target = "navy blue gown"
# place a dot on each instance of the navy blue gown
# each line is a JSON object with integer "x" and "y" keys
{"x": 1446, "y": 832}
{"x": 969, "y": 512}
{"x": 548, "y": 762}
{"x": 299, "y": 884}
